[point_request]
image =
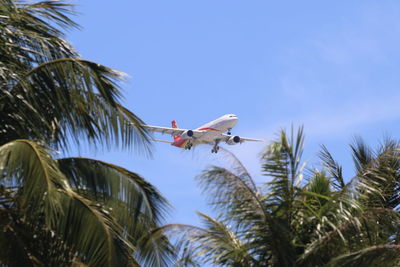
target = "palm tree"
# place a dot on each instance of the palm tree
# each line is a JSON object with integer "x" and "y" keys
{"x": 48, "y": 92}
{"x": 371, "y": 236}
{"x": 79, "y": 211}
{"x": 76, "y": 210}
{"x": 300, "y": 216}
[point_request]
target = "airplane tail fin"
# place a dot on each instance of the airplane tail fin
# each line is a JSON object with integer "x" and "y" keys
{"x": 174, "y": 125}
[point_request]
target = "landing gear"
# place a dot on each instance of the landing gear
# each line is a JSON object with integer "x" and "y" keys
{"x": 229, "y": 132}
{"x": 215, "y": 147}
{"x": 188, "y": 145}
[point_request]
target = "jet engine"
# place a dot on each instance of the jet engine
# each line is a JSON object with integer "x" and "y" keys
{"x": 233, "y": 140}
{"x": 187, "y": 134}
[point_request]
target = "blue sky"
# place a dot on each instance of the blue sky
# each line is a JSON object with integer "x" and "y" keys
{"x": 332, "y": 67}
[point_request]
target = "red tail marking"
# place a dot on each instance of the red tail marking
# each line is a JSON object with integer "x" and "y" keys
{"x": 177, "y": 138}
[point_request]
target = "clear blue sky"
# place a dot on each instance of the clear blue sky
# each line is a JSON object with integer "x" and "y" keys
{"x": 331, "y": 66}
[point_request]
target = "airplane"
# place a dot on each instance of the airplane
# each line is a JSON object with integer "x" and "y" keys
{"x": 209, "y": 133}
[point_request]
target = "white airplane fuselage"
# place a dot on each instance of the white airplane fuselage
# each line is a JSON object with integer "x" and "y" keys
{"x": 221, "y": 125}
{"x": 211, "y": 131}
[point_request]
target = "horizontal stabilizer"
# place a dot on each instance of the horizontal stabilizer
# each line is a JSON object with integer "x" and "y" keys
{"x": 163, "y": 141}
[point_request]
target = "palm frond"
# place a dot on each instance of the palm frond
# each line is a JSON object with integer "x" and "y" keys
{"x": 184, "y": 238}
{"x": 15, "y": 250}
{"x": 42, "y": 78}
{"x": 318, "y": 189}
{"x": 381, "y": 255}
{"x": 282, "y": 162}
{"x": 215, "y": 244}
{"x": 362, "y": 153}
{"x": 234, "y": 196}
{"x": 154, "y": 248}
{"x": 332, "y": 167}
{"x": 239, "y": 169}
{"x": 136, "y": 205}
{"x": 323, "y": 222}
{"x": 111, "y": 185}
{"x": 365, "y": 228}
{"x": 92, "y": 230}
{"x": 55, "y": 11}
{"x": 43, "y": 194}
{"x": 72, "y": 98}
{"x": 29, "y": 36}
{"x": 28, "y": 165}
{"x": 378, "y": 181}
{"x": 220, "y": 245}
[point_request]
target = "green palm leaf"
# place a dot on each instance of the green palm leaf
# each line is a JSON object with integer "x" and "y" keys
{"x": 136, "y": 205}
{"x": 29, "y": 166}
{"x": 367, "y": 228}
{"x": 113, "y": 186}
{"x": 282, "y": 162}
{"x": 378, "y": 180}
{"x": 220, "y": 245}
{"x": 71, "y": 98}
{"x": 44, "y": 192}
{"x": 233, "y": 192}
{"x": 374, "y": 256}
{"x": 47, "y": 92}
{"x": 216, "y": 244}
{"x": 29, "y": 36}
{"x": 332, "y": 167}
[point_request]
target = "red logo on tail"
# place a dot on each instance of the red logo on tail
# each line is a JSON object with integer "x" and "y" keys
{"x": 177, "y": 138}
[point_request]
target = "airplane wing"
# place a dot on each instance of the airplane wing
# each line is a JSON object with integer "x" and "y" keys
{"x": 172, "y": 131}
{"x": 163, "y": 141}
{"x": 225, "y": 137}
